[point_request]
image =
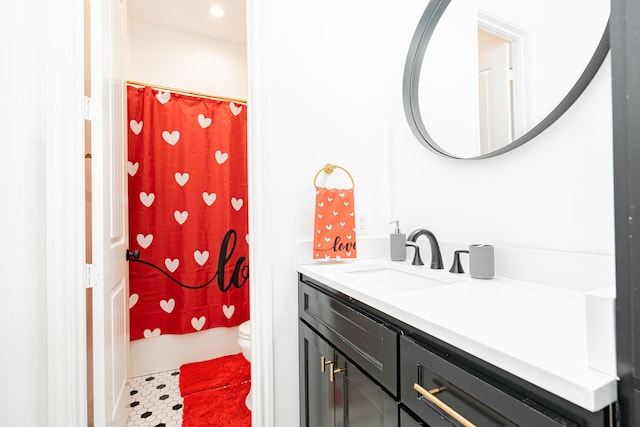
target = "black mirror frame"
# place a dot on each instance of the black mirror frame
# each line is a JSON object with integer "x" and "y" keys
{"x": 411, "y": 80}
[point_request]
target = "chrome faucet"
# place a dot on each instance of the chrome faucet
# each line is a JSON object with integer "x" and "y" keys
{"x": 436, "y": 256}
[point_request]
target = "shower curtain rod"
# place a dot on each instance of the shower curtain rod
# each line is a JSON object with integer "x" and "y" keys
{"x": 187, "y": 92}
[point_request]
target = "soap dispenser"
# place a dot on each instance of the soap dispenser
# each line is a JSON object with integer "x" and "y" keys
{"x": 397, "y": 243}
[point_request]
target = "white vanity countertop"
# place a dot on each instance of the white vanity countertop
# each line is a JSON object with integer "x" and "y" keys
{"x": 536, "y": 332}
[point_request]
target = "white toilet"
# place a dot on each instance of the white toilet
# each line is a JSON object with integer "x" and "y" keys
{"x": 244, "y": 341}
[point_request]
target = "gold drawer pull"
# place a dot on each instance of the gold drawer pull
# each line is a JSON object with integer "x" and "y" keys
{"x": 333, "y": 372}
{"x": 429, "y": 395}
{"x": 324, "y": 362}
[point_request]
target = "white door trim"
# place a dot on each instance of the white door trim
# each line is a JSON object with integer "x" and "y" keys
{"x": 260, "y": 257}
{"x": 63, "y": 48}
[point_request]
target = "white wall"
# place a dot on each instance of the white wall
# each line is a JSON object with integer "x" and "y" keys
{"x": 167, "y": 57}
{"x": 322, "y": 96}
{"x": 23, "y": 400}
{"x": 162, "y": 56}
{"x": 329, "y": 90}
{"x": 41, "y": 223}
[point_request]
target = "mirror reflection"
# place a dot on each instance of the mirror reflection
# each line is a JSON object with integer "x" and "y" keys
{"x": 492, "y": 71}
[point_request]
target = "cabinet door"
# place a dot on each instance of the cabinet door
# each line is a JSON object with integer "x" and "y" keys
{"x": 317, "y": 394}
{"x": 365, "y": 404}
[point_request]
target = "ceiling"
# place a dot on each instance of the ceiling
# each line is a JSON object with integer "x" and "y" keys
{"x": 193, "y": 16}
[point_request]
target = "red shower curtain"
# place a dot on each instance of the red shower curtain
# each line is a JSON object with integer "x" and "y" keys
{"x": 187, "y": 213}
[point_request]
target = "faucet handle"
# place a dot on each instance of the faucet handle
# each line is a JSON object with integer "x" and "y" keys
{"x": 456, "y": 267}
{"x": 417, "y": 260}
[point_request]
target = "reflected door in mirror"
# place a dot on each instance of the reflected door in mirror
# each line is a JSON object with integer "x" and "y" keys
{"x": 494, "y": 92}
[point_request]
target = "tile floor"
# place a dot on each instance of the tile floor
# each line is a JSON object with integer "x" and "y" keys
{"x": 156, "y": 401}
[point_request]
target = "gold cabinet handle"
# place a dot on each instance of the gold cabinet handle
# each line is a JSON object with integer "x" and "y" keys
{"x": 333, "y": 372}
{"x": 429, "y": 395}
{"x": 324, "y": 362}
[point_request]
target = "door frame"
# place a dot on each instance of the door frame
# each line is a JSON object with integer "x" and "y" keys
{"x": 63, "y": 49}
{"x": 260, "y": 222}
{"x": 65, "y": 192}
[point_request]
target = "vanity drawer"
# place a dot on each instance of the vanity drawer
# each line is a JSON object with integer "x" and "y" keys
{"x": 470, "y": 395}
{"x": 367, "y": 341}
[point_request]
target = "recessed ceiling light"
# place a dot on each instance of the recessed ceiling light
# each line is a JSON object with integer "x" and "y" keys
{"x": 216, "y": 11}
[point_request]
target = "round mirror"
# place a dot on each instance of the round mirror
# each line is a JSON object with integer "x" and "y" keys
{"x": 483, "y": 77}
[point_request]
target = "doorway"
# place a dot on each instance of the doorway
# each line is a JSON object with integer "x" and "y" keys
{"x": 495, "y": 91}
{"x": 179, "y": 46}
{"x": 503, "y": 48}
{"x": 172, "y": 44}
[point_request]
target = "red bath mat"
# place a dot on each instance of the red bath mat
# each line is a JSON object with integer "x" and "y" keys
{"x": 214, "y": 373}
{"x": 221, "y": 407}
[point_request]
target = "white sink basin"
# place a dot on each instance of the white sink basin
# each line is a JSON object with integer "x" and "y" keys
{"x": 403, "y": 279}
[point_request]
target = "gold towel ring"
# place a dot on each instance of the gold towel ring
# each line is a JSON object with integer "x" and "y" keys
{"x": 328, "y": 169}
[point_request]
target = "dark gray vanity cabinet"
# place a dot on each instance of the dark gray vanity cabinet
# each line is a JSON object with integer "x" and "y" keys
{"x": 338, "y": 344}
{"x": 361, "y": 367}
